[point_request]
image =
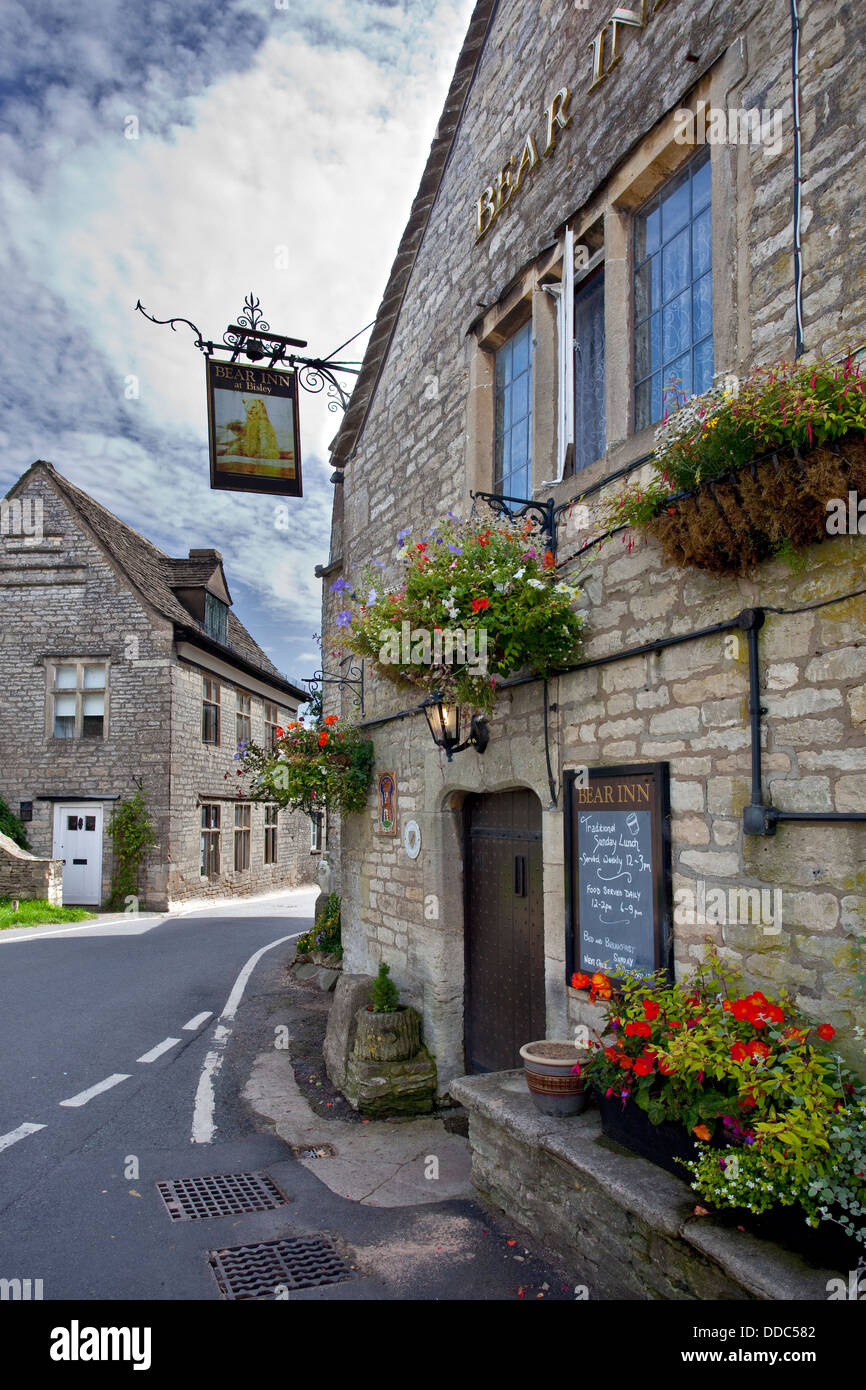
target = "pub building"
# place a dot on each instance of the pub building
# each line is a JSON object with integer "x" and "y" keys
{"x": 615, "y": 198}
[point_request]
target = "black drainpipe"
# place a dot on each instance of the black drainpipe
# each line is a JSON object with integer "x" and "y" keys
{"x": 758, "y": 818}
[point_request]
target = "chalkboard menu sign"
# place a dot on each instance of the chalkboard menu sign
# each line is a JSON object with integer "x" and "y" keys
{"x": 617, "y": 856}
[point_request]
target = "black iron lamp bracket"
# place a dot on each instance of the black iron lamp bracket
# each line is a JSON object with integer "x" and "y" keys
{"x": 546, "y": 513}
{"x": 353, "y": 680}
{"x": 252, "y": 336}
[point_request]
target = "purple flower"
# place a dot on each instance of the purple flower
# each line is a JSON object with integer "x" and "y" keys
{"x": 339, "y": 584}
{"x": 344, "y": 618}
{"x": 401, "y": 535}
{"x": 455, "y": 549}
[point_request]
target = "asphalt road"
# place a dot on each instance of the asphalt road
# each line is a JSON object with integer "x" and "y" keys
{"x": 154, "y": 1011}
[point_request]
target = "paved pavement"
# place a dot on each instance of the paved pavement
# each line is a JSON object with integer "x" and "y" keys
{"x": 141, "y": 1051}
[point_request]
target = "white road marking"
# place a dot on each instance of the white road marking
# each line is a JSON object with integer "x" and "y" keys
{"x": 196, "y": 1022}
{"x": 84, "y": 1096}
{"x": 95, "y": 924}
{"x": 7, "y": 1140}
{"x": 157, "y": 1051}
{"x": 203, "y": 1125}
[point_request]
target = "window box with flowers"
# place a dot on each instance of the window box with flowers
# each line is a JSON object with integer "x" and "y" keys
{"x": 740, "y": 1093}
{"x": 475, "y": 600}
{"x": 310, "y": 768}
{"x": 748, "y": 469}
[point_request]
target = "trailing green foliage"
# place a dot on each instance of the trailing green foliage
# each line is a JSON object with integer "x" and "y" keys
{"x": 790, "y": 404}
{"x": 310, "y": 769}
{"x": 325, "y": 935}
{"x": 463, "y": 578}
{"x": 131, "y": 831}
{"x": 781, "y": 1120}
{"x": 384, "y": 996}
{"x": 10, "y": 825}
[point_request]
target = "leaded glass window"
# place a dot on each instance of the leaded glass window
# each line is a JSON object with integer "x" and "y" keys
{"x": 513, "y": 447}
{"x": 673, "y": 294}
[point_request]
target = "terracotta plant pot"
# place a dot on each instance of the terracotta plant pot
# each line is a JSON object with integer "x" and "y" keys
{"x": 556, "y": 1088}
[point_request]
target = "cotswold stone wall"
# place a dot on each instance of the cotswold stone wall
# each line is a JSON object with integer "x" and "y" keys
{"x": 418, "y": 455}
{"x": 22, "y": 875}
{"x": 198, "y": 773}
{"x": 625, "y": 1228}
{"x": 61, "y": 598}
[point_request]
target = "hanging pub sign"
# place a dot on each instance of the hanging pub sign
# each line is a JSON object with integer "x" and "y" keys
{"x": 618, "y": 870}
{"x": 255, "y": 443}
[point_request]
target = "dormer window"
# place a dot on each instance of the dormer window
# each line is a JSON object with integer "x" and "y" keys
{"x": 215, "y": 617}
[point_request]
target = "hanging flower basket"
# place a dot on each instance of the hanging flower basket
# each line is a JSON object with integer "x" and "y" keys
{"x": 751, "y": 469}
{"x": 310, "y": 768}
{"x": 732, "y": 522}
{"x": 472, "y": 601}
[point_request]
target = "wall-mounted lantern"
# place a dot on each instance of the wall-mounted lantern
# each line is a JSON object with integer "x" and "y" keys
{"x": 443, "y": 720}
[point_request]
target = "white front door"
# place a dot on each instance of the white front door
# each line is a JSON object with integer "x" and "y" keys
{"x": 78, "y": 842}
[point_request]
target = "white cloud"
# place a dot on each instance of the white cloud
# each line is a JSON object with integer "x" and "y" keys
{"x": 311, "y": 134}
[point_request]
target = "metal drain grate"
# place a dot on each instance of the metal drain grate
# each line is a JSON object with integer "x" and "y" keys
{"x": 315, "y": 1151}
{"x": 224, "y": 1194}
{"x": 259, "y": 1271}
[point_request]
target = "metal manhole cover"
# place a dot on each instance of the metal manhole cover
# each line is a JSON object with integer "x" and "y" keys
{"x": 314, "y": 1151}
{"x": 224, "y": 1194}
{"x": 262, "y": 1271}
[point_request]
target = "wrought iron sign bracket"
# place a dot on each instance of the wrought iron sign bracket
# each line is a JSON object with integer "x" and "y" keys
{"x": 353, "y": 680}
{"x": 252, "y": 336}
{"x": 546, "y": 513}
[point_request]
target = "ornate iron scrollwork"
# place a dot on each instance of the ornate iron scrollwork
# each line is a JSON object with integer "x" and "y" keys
{"x": 252, "y": 336}
{"x": 353, "y": 680}
{"x": 546, "y": 513}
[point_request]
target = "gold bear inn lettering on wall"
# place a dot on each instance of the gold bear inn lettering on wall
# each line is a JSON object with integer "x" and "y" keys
{"x": 606, "y": 53}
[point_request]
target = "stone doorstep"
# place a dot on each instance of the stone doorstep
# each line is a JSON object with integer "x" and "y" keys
{"x": 657, "y": 1198}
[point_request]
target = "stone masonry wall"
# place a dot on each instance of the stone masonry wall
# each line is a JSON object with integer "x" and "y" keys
{"x": 686, "y": 705}
{"x": 61, "y": 597}
{"x": 22, "y": 875}
{"x": 198, "y": 773}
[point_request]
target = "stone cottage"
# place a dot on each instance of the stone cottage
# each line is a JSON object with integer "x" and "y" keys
{"x": 121, "y": 664}
{"x": 616, "y": 197}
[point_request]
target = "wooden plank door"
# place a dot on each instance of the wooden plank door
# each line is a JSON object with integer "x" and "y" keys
{"x": 505, "y": 1002}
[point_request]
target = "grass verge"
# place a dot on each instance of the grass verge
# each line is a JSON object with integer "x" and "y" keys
{"x": 34, "y": 911}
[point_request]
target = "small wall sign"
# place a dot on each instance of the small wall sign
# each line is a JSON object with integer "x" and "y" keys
{"x": 412, "y": 839}
{"x": 618, "y": 870}
{"x": 387, "y": 804}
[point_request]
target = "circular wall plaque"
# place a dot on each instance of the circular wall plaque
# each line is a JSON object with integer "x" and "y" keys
{"x": 412, "y": 839}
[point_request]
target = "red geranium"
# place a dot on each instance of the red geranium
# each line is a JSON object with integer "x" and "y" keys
{"x": 478, "y": 604}
{"x": 637, "y": 1030}
{"x": 323, "y": 739}
{"x": 650, "y": 1010}
{"x": 643, "y": 1067}
{"x": 739, "y": 1052}
{"x": 826, "y": 1032}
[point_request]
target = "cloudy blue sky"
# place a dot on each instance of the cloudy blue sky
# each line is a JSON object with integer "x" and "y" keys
{"x": 262, "y": 125}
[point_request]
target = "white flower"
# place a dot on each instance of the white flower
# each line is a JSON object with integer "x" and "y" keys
{"x": 536, "y": 584}
{"x": 521, "y": 572}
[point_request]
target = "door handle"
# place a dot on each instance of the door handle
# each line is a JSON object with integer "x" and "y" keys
{"x": 520, "y": 875}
